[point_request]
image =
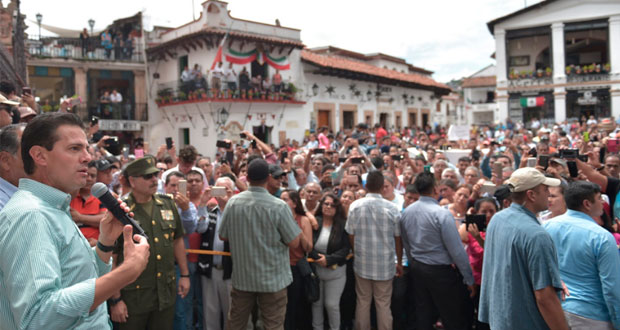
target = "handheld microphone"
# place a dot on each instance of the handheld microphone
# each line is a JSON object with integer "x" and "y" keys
{"x": 101, "y": 191}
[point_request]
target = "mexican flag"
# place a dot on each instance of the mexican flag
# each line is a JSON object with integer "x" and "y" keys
{"x": 240, "y": 58}
{"x": 218, "y": 55}
{"x": 530, "y": 102}
{"x": 278, "y": 63}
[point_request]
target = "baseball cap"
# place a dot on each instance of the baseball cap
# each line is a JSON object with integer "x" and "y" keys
{"x": 275, "y": 171}
{"x": 4, "y": 100}
{"x": 258, "y": 170}
{"x": 102, "y": 164}
{"x": 527, "y": 178}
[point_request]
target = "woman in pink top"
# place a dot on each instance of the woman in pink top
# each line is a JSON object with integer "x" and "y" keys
{"x": 474, "y": 239}
{"x": 323, "y": 140}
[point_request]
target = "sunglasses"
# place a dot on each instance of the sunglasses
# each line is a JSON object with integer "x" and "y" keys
{"x": 329, "y": 204}
{"x": 147, "y": 176}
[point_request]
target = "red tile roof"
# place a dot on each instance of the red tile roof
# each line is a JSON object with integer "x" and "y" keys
{"x": 484, "y": 81}
{"x": 351, "y": 65}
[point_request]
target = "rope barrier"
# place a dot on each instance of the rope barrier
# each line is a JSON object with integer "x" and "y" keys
{"x": 221, "y": 253}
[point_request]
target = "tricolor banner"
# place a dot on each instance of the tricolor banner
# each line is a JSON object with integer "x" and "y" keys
{"x": 531, "y": 102}
{"x": 241, "y": 58}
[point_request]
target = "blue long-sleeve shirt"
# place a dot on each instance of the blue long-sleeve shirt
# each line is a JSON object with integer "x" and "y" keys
{"x": 589, "y": 266}
{"x": 430, "y": 236}
{"x": 189, "y": 218}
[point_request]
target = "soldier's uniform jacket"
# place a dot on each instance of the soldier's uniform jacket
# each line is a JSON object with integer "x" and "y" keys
{"x": 155, "y": 289}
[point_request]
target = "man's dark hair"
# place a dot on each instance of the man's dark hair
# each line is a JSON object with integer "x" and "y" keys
{"x": 194, "y": 172}
{"x": 188, "y": 154}
{"x": 578, "y": 191}
{"x": 425, "y": 183}
{"x": 252, "y": 157}
{"x": 92, "y": 163}
{"x": 174, "y": 173}
{"x": 6, "y": 88}
{"x": 465, "y": 159}
{"x": 41, "y": 131}
{"x": 232, "y": 177}
{"x": 374, "y": 181}
{"x": 411, "y": 189}
{"x": 168, "y": 160}
{"x": 327, "y": 167}
{"x": 377, "y": 162}
{"x": 9, "y": 141}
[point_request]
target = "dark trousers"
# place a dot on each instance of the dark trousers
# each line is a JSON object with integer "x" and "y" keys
{"x": 348, "y": 299}
{"x": 441, "y": 288}
{"x": 403, "y": 303}
{"x": 294, "y": 294}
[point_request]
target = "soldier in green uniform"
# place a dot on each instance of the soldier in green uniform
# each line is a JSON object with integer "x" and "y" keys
{"x": 148, "y": 303}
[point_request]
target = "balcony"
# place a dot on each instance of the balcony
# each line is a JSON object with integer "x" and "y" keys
{"x": 177, "y": 93}
{"x": 71, "y": 48}
{"x": 587, "y": 73}
{"x": 114, "y": 117}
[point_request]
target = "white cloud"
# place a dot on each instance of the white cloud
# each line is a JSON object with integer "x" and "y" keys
{"x": 449, "y": 37}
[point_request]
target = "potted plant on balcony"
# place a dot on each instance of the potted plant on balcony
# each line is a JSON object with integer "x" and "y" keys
{"x": 569, "y": 69}
{"x": 548, "y": 71}
{"x": 243, "y": 94}
{"x": 181, "y": 96}
{"x": 203, "y": 93}
{"x": 512, "y": 74}
{"x": 158, "y": 100}
{"x": 607, "y": 67}
{"x": 251, "y": 94}
{"x": 539, "y": 73}
{"x": 263, "y": 95}
{"x": 577, "y": 69}
{"x": 597, "y": 68}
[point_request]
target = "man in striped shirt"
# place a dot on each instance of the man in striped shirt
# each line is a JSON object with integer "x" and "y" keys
{"x": 50, "y": 277}
{"x": 260, "y": 229}
{"x": 374, "y": 230}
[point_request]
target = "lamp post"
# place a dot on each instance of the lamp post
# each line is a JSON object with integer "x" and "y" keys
{"x": 39, "y": 19}
{"x": 91, "y": 23}
{"x": 315, "y": 89}
{"x": 222, "y": 116}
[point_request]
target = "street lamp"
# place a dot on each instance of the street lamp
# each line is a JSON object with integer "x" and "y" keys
{"x": 91, "y": 23}
{"x": 315, "y": 89}
{"x": 39, "y": 19}
{"x": 222, "y": 116}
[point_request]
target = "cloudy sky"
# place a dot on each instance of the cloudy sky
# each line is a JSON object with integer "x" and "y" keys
{"x": 449, "y": 37}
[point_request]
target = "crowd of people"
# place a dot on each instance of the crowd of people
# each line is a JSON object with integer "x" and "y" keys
{"x": 361, "y": 229}
{"x": 226, "y": 81}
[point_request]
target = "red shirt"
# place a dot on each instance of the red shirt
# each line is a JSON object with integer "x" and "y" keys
{"x": 380, "y": 134}
{"x": 91, "y": 206}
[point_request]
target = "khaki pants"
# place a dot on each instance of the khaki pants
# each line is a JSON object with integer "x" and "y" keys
{"x": 272, "y": 307}
{"x": 381, "y": 291}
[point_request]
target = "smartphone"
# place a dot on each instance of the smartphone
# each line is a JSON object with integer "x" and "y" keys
{"x": 319, "y": 151}
{"x": 488, "y": 187}
{"x": 253, "y": 144}
{"x": 531, "y": 162}
{"x": 475, "y": 154}
{"x": 533, "y": 152}
{"x": 601, "y": 155}
{"x": 572, "y": 168}
{"x": 479, "y": 219}
{"x": 397, "y": 157}
{"x": 94, "y": 121}
{"x": 218, "y": 191}
{"x": 126, "y": 152}
{"x": 243, "y": 136}
{"x": 169, "y": 143}
{"x": 222, "y": 144}
{"x": 583, "y": 158}
{"x": 183, "y": 187}
{"x": 612, "y": 145}
{"x": 139, "y": 153}
{"x": 569, "y": 153}
{"x": 27, "y": 90}
{"x": 543, "y": 160}
{"x": 357, "y": 160}
{"x": 498, "y": 168}
{"x": 284, "y": 154}
{"x": 427, "y": 168}
{"x": 342, "y": 159}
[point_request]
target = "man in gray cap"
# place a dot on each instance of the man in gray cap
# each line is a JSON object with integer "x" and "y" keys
{"x": 274, "y": 182}
{"x": 260, "y": 229}
{"x": 520, "y": 273}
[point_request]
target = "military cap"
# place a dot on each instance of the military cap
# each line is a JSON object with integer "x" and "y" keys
{"x": 142, "y": 166}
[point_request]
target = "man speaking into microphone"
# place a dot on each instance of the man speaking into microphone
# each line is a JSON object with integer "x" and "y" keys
{"x": 50, "y": 277}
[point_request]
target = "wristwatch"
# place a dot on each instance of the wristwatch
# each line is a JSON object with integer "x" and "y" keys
{"x": 114, "y": 301}
{"x": 185, "y": 275}
{"x": 105, "y": 248}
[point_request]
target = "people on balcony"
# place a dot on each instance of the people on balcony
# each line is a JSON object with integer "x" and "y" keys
{"x": 230, "y": 77}
{"x": 84, "y": 40}
{"x": 244, "y": 80}
{"x": 106, "y": 43}
{"x": 216, "y": 78}
{"x": 277, "y": 81}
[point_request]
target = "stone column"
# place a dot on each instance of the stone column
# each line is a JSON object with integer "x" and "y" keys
{"x": 614, "y": 54}
{"x": 559, "y": 63}
{"x": 501, "y": 74}
{"x": 139, "y": 86}
{"x": 559, "y": 95}
{"x": 81, "y": 83}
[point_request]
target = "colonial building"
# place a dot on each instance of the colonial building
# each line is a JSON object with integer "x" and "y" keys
{"x": 479, "y": 96}
{"x": 558, "y": 60}
{"x": 325, "y": 86}
{"x": 61, "y": 64}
